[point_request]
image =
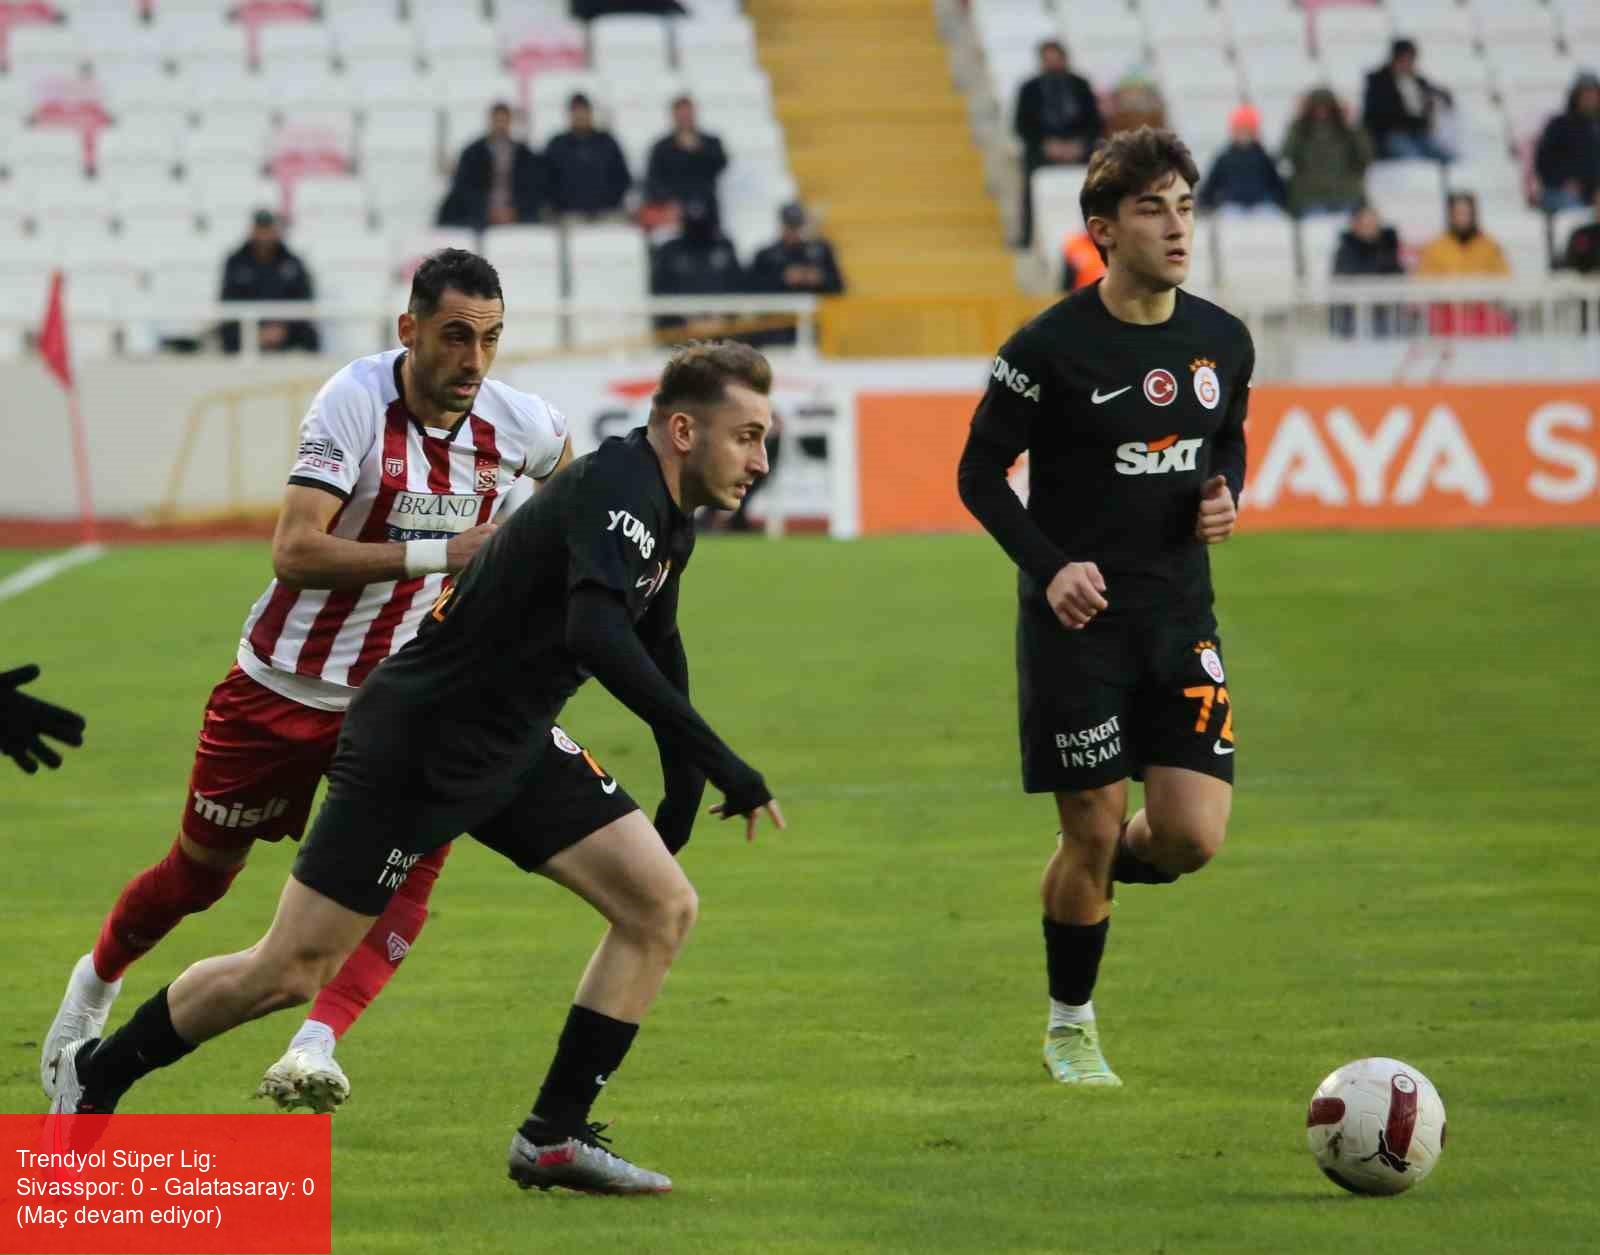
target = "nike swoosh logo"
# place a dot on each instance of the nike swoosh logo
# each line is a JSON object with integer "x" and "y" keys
{"x": 644, "y": 581}
{"x": 600, "y": 1078}
{"x": 1220, "y": 748}
{"x": 1110, "y": 396}
{"x": 610, "y": 786}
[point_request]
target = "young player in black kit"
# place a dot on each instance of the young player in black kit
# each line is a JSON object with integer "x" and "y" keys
{"x": 1129, "y": 398}
{"x": 456, "y": 733}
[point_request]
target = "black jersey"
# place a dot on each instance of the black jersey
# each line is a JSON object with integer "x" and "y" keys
{"x": 1122, "y": 424}
{"x": 523, "y": 627}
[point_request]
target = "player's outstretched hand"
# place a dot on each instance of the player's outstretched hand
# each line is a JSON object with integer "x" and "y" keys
{"x": 461, "y": 548}
{"x": 1075, "y": 593}
{"x": 1214, "y": 524}
{"x": 752, "y": 818}
{"x": 25, "y": 721}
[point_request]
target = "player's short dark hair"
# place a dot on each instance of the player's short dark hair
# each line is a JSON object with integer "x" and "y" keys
{"x": 578, "y": 98}
{"x": 455, "y": 269}
{"x": 500, "y": 106}
{"x": 698, "y": 375}
{"x": 1046, "y": 44}
{"x": 1402, "y": 48}
{"x": 1128, "y": 163}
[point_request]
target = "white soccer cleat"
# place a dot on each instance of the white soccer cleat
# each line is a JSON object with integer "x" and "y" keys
{"x": 84, "y": 1009}
{"x": 66, "y": 1093}
{"x": 581, "y": 1162}
{"x": 305, "y": 1077}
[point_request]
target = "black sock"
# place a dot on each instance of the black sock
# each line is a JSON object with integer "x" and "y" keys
{"x": 146, "y": 1042}
{"x": 1130, "y": 869}
{"x": 1072, "y": 958}
{"x": 591, "y": 1048}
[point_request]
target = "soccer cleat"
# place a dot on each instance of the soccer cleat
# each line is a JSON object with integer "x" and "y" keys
{"x": 66, "y": 1094}
{"x": 1072, "y": 1056}
{"x": 305, "y": 1077}
{"x": 579, "y": 1162}
{"x": 84, "y": 1010}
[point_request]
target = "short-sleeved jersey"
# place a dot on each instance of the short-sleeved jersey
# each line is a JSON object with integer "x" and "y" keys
{"x": 397, "y": 481}
{"x": 490, "y": 667}
{"x": 1122, "y": 424}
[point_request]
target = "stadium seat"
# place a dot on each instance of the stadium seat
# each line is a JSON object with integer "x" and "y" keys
{"x": 133, "y": 147}
{"x": 626, "y": 40}
{"x": 1501, "y": 25}
{"x": 529, "y": 261}
{"x": 295, "y": 42}
{"x": 228, "y": 141}
{"x": 1211, "y": 76}
{"x": 395, "y": 134}
{"x": 1495, "y": 180}
{"x": 190, "y": 39}
{"x": 1368, "y": 27}
{"x": 182, "y": 285}
{"x": 356, "y": 37}
{"x": 1524, "y": 239}
{"x": 72, "y": 200}
{"x": 224, "y": 88}
{"x": 334, "y": 204}
{"x": 1055, "y": 208}
{"x": 310, "y": 86}
{"x": 1527, "y": 110}
{"x": 226, "y": 199}
{"x": 1317, "y": 237}
{"x": 1520, "y": 69}
{"x": 1458, "y": 68}
{"x": 1087, "y": 23}
{"x": 448, "y": 33}
{"x": 97, "y": 300}
{"x": 43, "y": 152}
{"x": 607, "y": 266}
{"x": 390, "y": 82}
{"x": 1409, "y": 195}
{"x": 1562, "y": 224}
{"x": 1253, "y": 250}
{"x": 141, "y": 85}
{"x": 731, "y": 37}
{"x": 1476, "y": 125}
{"x": 35, "y": 49}
{"x": 1184, "y": 26}
{"x": 1435, "y": 25}
{"x": 1264, "y": 24}
{"x": 1275, "y": 70}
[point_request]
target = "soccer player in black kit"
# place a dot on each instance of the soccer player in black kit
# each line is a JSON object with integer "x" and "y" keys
{"x": 1129, "y": 398}
{"x": 456, "y": 733}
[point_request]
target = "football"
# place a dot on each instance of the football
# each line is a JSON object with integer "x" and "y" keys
{"x": 1376, "y": 1126}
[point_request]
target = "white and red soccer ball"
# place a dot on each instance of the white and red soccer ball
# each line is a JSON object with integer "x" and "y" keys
{"x": 1376, "y": 1126}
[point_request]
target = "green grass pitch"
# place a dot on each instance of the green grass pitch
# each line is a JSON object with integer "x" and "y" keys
{"x": 846, "y": 1058}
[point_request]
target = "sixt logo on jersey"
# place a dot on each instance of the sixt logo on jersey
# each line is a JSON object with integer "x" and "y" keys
{"x": 633, "y": 530}
{"x": 1015, "y": 380}
{"x": 1157, "y": 457}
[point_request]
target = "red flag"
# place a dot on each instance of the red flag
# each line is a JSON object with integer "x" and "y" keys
{"x": 53, "y": 335}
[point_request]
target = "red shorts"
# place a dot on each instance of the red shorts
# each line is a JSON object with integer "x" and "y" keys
{"x": 257, "y": 765}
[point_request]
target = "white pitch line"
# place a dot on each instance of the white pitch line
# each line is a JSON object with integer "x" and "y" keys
{"x": 36, "y": 573}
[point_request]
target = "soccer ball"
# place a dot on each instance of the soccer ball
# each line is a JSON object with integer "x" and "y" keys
{"x": 1376, "y": 1126}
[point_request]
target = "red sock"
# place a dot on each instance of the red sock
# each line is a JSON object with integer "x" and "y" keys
{"x": 381, "y": 951}
{"x": 152, "y": 903}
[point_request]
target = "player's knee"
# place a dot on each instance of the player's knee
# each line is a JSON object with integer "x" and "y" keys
{"x": 667, "y": 923}
{"x": 1188, "y": 845}
{"x": 1091, "y": 821}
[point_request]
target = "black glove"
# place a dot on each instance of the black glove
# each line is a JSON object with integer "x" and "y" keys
{"x": 749, "y": 793}
{"x": 25, "y": 720}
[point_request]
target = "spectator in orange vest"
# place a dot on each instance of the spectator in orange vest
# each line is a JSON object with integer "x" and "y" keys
{"x": 1082, "y": 263}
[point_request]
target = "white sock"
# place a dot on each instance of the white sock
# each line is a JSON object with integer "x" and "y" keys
{"x": 314, "y": 1035}
{"x": 1064, "y": 1013}
{"x": 89, "y": 988}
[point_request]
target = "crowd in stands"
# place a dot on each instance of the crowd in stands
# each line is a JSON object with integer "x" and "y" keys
{"x": 1324, "y": 163}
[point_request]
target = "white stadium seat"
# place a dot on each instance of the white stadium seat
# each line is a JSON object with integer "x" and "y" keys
{"x": 1434, "y": 25}
{"x": 130, "y": 148}
{"x": 43, "y": 151}
{"x": 335, "y": 203}
{"x": 607, "y": 265}
{"x": 1254, "y": 249}
{"x": 298, "y": 42}
{"x": 1099, "y": 22}
{"x": 36, "y": 48}
{"x": 1268, "y": 70}
{"x": 1500, "y": 24}
{"x": 1408, "y": 194}
{"x": 1318, "y": 236}
{"x": 1264, "y": 24}
{"x": 1365, "y": 26}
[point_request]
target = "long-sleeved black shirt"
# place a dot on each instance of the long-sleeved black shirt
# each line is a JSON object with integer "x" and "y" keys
{"x": 1122, "y": 424}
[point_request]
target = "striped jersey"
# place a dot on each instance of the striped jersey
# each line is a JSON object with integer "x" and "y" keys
{"x": 398, "y": 481}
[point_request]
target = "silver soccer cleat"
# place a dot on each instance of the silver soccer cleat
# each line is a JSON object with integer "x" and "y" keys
{"x": 580, "y": 1163}
{"x": 305, "y": 1078}
{"x": 82, "y": 1014}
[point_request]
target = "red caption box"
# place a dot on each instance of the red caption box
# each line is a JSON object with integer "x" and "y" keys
{"x": 126, "y": 1185}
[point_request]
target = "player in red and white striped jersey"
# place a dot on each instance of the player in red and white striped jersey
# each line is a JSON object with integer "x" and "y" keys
{"x": 405, "y": 459}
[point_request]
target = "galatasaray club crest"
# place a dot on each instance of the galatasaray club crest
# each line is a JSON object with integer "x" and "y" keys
{"x": 1207, "y": 389}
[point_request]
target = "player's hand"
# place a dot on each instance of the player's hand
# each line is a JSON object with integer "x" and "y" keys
{"x": 461, "y": 548}
{"x": 25, "y": 720}
{"x": 1214, "y": 524}
{"x": 1075, "y": 594}
{"x": 752, "y": 818}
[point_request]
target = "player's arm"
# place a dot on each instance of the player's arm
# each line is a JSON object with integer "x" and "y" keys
{"x": 683, "y": 782}
{"x": 561, "y": 462}
{"x": 1002, "y": 428}
{"x": 1219, "y": 495}
{"x": 305, "y": 555}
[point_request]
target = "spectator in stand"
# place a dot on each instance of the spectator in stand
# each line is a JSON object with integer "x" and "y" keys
{"x": 1464, "y": 248}
{"x": 1567, "y": 160}
{"x": 263, "y": 269}
{"x": 796, "y": 261}
{"x": 685, "y": 163}
{"x": 1367, "y": 248}
{"x": 1583, "y": 245}
{"x": 1081, "y": 263}
{"x": 699, "y": 261}
{"x": 1326, "y": 156}
{"x": 588, "y": 175}
{"x": 498, "y": 179}
{"x": 1244, "y": 176}
{"x": 1058, "y": 121}
{"x": 1399, "y": 108}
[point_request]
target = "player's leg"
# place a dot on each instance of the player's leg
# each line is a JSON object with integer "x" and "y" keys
{"x": 1076, "y": 893}
{"x": 310, "y": 936}
{"x": 1073, "y": 690}
{"x": 1185, "y": 724}
{"x": 307, "y": 1074}
{"x": 576, "y": 826}
{"x": 256, "y": 768}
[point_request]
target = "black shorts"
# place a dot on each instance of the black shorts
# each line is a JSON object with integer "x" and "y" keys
{"x": 370, "y": 830}
{"x": 1102, "y": 704}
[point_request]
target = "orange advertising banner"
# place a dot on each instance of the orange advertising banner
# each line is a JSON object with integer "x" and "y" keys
{"x": 1509, "y": 455}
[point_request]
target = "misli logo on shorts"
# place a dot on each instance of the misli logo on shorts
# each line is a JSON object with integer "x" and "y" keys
{"x": 238, "y": 815}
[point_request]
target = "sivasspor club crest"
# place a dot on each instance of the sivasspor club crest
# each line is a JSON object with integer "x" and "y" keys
{"x": 394, "y": 468}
